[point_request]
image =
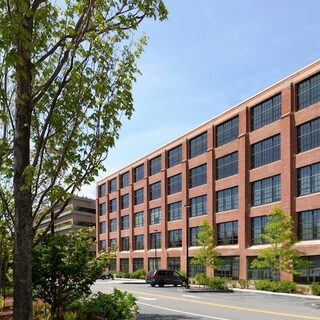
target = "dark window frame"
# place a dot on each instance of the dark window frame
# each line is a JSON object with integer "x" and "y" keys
{"x": 174, "y": 184}
{"x": 174, "y": 156}
{"x": 308, "y": 135}
{"x": 227, "y": 165}
{"x": 174, "y": 211}
{"x": 175, "y": 238}
{"x": 198, "y": 176}
{"x": 308, "y": 92}
{"x": 198, "y": 145}
{"x": 227, "y": 233}
{"x": 259, "y": 196}
{"x": 227, "y": 199}
{"x": 227, "y": 131}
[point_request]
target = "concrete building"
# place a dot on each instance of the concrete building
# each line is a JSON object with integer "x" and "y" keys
{"x": 232, "y": 170}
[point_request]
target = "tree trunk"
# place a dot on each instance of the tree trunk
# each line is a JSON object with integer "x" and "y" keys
{"x": 22, "y": 304}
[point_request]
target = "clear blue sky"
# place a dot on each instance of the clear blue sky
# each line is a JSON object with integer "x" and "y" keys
{"x": 208, "y": 56}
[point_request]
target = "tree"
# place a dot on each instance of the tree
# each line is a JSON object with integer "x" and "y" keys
{"x": 64, "y": 269}
{"x": 207, "y": 255}
{"x": 66, "y": 75}
{"x": 281, "y": 255}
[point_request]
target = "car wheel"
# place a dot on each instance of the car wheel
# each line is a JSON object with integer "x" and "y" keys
{"x": 161, "y": 284}
{"x": 175, "y": 284}
{"x": 153, "y": 285}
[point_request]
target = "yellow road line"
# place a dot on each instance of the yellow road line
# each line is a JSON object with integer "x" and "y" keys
{"x": 226, "y": 306}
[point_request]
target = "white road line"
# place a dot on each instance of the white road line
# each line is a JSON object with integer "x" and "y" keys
{"x": 184, "y": 312}
{"x": 190, "y": 296}
{"x": 144, "y": 298}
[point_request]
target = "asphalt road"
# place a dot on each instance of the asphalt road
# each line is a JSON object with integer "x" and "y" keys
{"x": 170, "y": 303}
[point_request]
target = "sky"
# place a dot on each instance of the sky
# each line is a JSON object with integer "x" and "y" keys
{"x": 207, "y": 57}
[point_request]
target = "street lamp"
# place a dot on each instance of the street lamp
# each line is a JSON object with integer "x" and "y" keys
{"x": 187, "y": 236}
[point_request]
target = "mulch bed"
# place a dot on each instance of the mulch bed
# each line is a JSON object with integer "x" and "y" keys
{"x": 7, "y": 313}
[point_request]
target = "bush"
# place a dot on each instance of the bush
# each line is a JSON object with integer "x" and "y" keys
{"x": 217, "y": 283}
{"x": 138, "y": 274}
{"x": 201, "y": 279}
{"x": 244, "y": 283}
{"x": 265, "y": 285}
{"x": 285, "y": 286}
{"x": 315, "y": 288}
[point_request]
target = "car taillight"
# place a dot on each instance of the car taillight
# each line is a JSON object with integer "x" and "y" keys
{"x": 152, "y": 276}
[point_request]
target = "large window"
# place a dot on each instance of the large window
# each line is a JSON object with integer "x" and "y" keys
{"x": 265, "y": 191}
{"x": 138, "y": 196}
{"x": 154, "y": 263}
{"x": 309, "y": 179}
{"x": 175, "y": 238}
{"x": 174, "y": 211}
{"x": 229, "y": 268}
{"x": 265, "y": 151}
{"x": 309, "y": 135}
{"x": 155, "y": 165}
{"x": 138, "y": 173}
{"x": 155, "y": 215}
{"x": 102, "y": 245}
{"x": 113, "y": 205}
{"x": 102, "y": 227}
{"x": 139, "y": 219}
{"x": 260, "y": 273}
{"x": 227, "y": 131}
{"x": 227, "y": 199}
{"x": 113, "y": 225}
{"x": 309, "y": 225}
{"x": 139, "y": 242}
{"x": 124, "y": 265}
{"x": 174, "y": 184}
{"x": 308, "y": 92}
{"x": 198, "y": 176}
{"x": 102, "y": 209}
{"x": 227, "y": 166}
{"x": 257, "y": 229}
{"x": 193, "y": 236}
{"x": 195, "y": 268}
{"x": 173, "y": 263}
{"x": 198, "y": 206}
{"x": 137, "y": 264}
{"x": 124, "y": 222}
{"x": 125, "y": 201}
{"x": 113, "y": 185}
{"x": 174, "y": 156}
{"x": 113, "y": 243}
{"x": 124, "y": 179}
{"x": 227, "y": 233}
{"x": 198, "y": 145}
{"x": 155, "y": 190}
{"x": 311, "y": 274}
{"x": 102, "y": 190}
{"x": 125, "y": 244}
{"x": 155, "y": 240}
{"x": 266, "y": 112}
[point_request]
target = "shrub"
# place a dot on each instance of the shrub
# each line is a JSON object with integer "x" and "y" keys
{"x": 286, "y": 286}
{"x": 138, "y": 274}
{"x": 315, "y": 288}
{"x": 265, "y": 285}
{"x": 217, "y": 283}
{"x": 201, "y": 279}
{"x": 244, "y": 283}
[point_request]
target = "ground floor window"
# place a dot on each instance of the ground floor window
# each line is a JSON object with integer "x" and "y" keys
{"x": 113, "y": 265}
{"x": 137, "y": 264}
{"x": 173, "y": 263}
{"x": 195, "y": 268}
{"x": 153, "y": 263}
{"x": 259, "y": 274}
{"x": 312, "y": 274}
{"x": 124, "y": 265}
{"x": 229, "y": 268}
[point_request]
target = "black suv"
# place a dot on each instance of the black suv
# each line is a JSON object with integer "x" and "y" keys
{"x": 163, "y": 276}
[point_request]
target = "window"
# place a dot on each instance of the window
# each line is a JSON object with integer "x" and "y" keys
{"x": 174, "y": 211}
{"x": 113, "y": 205}
{"x": 265, "y": 191}
{"x": 266, "y": 151}
{"x": 138, "y": 196}
{"x": 309, "y": 225}
{"x": 139, "y": 219}
{"x": 113, "y": 265}
{"x": 138, "y": 173}
{"x": 309, "y": 179}
{"x": 308, "y": 92}
{"x": 193, "y": 236}
{"x": 229, "y": 268}
{"x": 195, "y": 268}
{"x": 125, "y": 201}
{"x": 102, "y": 227}
{"x": 266, "y": 112}
{"x": 227, "y": 131}
{"x": 312, "y": 274}
{"x": 257, "y": 229}
{"x": 124, "y": 180}
{"x": 113, "y": 243}
{"x": 125, "y": 244}
{"x": 113, "y": 225}
{"x": 155, "y": 240}
{"x": 227, "y": 166}
{"x": 198, "y": 145}
{"x": 155, "y": 190}
{"x": 175, "y": 238}
{"x": 113, "y": 185}
{"x": 124, "y": 222}
{"x": 174, "y": 184}
{"x": 102, "y": 245}
{"x": 154, "y": 263}
{"x": 139, "y": 242}
{"x": 198, "y": 206}
{"x": 138, "y": 264}
{"x": 102, "y": 190}
{"x": 227, "y": 199}
{"x": 174, "y": 156}
{"x": 227, "y": 233}
{"x": 124, "y": 265}
{"x": 261, "y": 273}
{"x": 155, "y": 215}
{"x": 309, "y": 135}
{"x": 102, "y": 209}
{"x": 198, "y": 176}
{"x": 155, "y": 165}
{"x": 173, "y": 263}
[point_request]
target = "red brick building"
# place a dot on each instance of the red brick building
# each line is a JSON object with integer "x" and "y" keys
{"x": 232, "y": 170}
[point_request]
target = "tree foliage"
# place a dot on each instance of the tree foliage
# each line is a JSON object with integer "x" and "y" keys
{"x": 281, "y": 256}
{"x": 207, "y": 255}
